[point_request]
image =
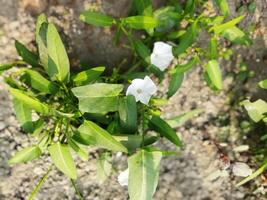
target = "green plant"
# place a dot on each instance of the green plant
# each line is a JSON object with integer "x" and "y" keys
{"x": 257, "y": 111}
{"x": 76, "y": 111}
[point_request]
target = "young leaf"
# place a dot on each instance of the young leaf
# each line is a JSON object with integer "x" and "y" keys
{"x": 162, "y": 127}
{"x": 142, "y": 50}
{"x": 98, "y": 97}
{"x": 263, "y": 84}
{"x": 81, "y": 152}
{"x": 63, "y": 160}
{"x": 214, "y": 73}
{"x": 179, "y": 120}
{"x": 223, "y": 5}
{"x": 28, "y": 56}
{"x": 4, "y": 67}
{"x": 143, "y": 7}
{"x": 38, "y": 82}
{"x": 184, "y": 68}
{"x": 219, "y": 28}
{"x": 213, "y": 52}
{"x": 29, "y": 101}
{"x": 88, "y": 76}
{"x": 96, "y": 18}
{"x": 256, "y": 110}
{"x": 140, "y": 22}
{"x": 175, "y": 83}
{"x": 104, "y": 167}
{"x": 90, "y": 133}
{"x": 236, "y": 36}
{"x": 143, "y": 174}
{"x": 186, "y": 40}
{"x": 58, "y": 61}
{"x": 25, "y": 155}
{"x": 23, "y": 115}
{"x": 128, "y": 114}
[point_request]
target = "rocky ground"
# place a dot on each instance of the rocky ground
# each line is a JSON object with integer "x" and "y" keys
{"x": 209, "y": 139}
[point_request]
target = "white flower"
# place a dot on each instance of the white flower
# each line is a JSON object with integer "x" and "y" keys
{"x": 142, "y": 89}
{"x": 241, "y": 169}
{"x": 123, "y": 177}
{"x": 162, "y": 55}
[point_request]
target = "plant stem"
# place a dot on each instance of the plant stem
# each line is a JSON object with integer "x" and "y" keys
{"x": 40, "y": 183}
{"x": 77, "y": 190}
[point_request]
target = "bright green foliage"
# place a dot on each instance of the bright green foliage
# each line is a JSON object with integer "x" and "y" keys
{"x": 256, "y": 110}
{"x": 175, "y": 83}
{"x": 106, "y": 99}
{"x": 223, "y": 5}
{"x": 263, "y": 84}
{"x": 25, "y": 155}
{"x": 63, "y": 160}
{"x": 96, "y": 18}
{"x": 143, "y": 174}
{"x": 140, "y": 22}
{"x": 92, "y": 134}
{"x": 214, "y": 73}
{"x": 104, "y": 167}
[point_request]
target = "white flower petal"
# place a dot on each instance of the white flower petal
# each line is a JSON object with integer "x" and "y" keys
{"x": 162, "y": 55}
{"x": 142, "y": 89}
{"x": 241, "y": 169}
{"x": 149, "y": 86}
{"x": 123, "y": 177}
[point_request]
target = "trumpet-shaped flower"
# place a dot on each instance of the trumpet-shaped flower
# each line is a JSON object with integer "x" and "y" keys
{"x": 123, "y": 177}
{"x": 142, "y": 89}
{"x": 241, "y": 169}
{"x": 162, "y": 55}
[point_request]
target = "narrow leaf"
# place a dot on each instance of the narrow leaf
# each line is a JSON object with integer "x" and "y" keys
{"x": 236, "y": 36}
{"x": 63, "y": 160}
{"x": 142, "y": 50}
{"x": 140, "y": 22}
{"x": 96, "y": 18}
{"x": 219, "y": 28}
{"x": 28, "y": 56}
{"x": 92, "y": 134}
{"x": 162, "y": 127}
{"x": 256, "y": 110}
{"x": 143, "y": 174}
{"x": 175, "y": 83}
{"x": 184, "y": 68}
{"x": 25, "y": 155}
{"x": 81, "y": 152}
{"x": 88, "y": 76}
{"x": 104, "y": 167}
{"x": 214, "y": 73}
{"x": 223, "y": 5}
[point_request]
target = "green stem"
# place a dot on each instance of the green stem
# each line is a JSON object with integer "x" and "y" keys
{"x": 40, "y": 183}
{"x": 77, "y": 190}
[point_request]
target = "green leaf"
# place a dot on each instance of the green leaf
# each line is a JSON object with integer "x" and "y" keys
{"x": 58, "y": 61}
{"x": 38, "y": 82}
{"x": 186, "y": 40}
{"x": 104, "y": 167}
{"x": 179, "y": 120}
{"x": 184, "y": 68}
{"x": 133, "y": 142}
{"x": 142, "y": 50}
{"x": 7, "y": 66}
{"x": 213, "y": 53}
{"x": 96, "y": 18}
{"x": 31, "y": 102}
{"x": 23, "y": 115}
{"x": 140, "y": 22}
{"x": 236, "y": 36}
{"x": 143, "y": 174}
{"x": 91, "y": 134}
{"x": 128, "y": 114}
{"x": 168, "y": 18}
{"x": 25, "y": 155}
{"x": 28, "y": 56}
{"x": 81, "y": 152}
{"x": 175, "y": 83}
{"x": 98, "y": 97}
{"x": 63, "y": 160}
{"x": 223, "y": 5}
{"x": 214, "y": 73}
{"x": 253, "y": 175}
{"x": 190, "y": 6}
{"x": 263, "y": 84}
{"x": 143, "y": 7}
{"x": 162, "y": 127}
{"x": 88, "y": 76}
{"x": 256, "y": 110}
{"x": 219, "y": 28}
